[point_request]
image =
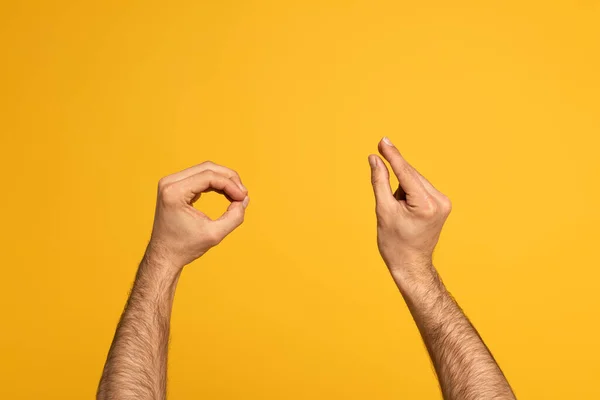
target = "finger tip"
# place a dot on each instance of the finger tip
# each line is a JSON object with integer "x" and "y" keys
{"x": 372, "y": 160}
{"x": 387, "y": 141}
{"x": 237, "y": 191}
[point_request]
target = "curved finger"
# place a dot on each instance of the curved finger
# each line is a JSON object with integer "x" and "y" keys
{"x": 207, "y": 180}
{"x": 206, "y": 165}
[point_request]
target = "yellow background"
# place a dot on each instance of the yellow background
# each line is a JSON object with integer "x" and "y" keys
{"x": 496, "y": 102}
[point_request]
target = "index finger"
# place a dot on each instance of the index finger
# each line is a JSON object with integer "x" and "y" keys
{"x": 209, "y": 180}
{"x": 406, "y": 174}
{"x": 206, "y": 165}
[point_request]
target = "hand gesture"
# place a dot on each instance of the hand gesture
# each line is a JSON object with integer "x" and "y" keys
{"x": 181, "y": 233}
{"x": 410, "y": 220}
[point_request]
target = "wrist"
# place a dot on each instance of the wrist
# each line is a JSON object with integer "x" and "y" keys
{"x": 161, "y": 256}
{"x": 415, "y": 275}
{"x": 408, "y": 263}
{"x": 155, "y": 284}
{"x": 159, "y": 265}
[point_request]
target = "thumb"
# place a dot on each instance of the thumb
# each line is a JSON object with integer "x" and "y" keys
{"x": 232, "y": 218}
{"x": 380, "y": 179}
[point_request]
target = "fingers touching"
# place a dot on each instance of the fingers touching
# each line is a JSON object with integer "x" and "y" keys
{"x": 410, "y": 220}
{"x": 208, "y": 180}
{"x": 185, "y": 188}
{"x": 407, "y": 177}
{"x": 413, "y": 187}
{"x": 181, "y": 232}
{"x": 206, "y": 165}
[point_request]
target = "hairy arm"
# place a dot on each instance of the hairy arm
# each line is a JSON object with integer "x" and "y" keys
{"x": 409, "y": 223}
{"x": 136, "y": 366}
{"x": 465, "y": 367}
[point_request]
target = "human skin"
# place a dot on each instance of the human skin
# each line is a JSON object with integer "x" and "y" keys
{"x": 409, "y": 223}
{"x": 136, "y": 366}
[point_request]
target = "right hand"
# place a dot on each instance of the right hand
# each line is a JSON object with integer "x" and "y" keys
{"x": 181, "y": 233}
{"x": 410, "y": 220}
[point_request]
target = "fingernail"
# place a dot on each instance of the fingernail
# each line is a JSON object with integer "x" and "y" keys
{"x": 241, "y": 185}
{"x": 373, "y": 161}
{"x": 387, "y": 141}
{"x": 246, "y": 201}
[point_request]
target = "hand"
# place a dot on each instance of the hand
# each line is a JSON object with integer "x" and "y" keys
{"x": 181, "y": 233}
{"x": 410, "y": 220}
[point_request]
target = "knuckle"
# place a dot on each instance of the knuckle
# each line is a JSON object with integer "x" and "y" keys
{"x": 241, "y": 217}
{"x": 208, "y": 174}
{"x": 213, "y": 238}
{"x": 431, "y": 208}
{"x": 446, "y": 205}
{"x": 162, "y": 182}
{"x": 169, "y": 193}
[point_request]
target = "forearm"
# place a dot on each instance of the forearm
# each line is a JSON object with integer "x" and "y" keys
{"x": 465, "y": 367}
{"x": 136, "y": 365}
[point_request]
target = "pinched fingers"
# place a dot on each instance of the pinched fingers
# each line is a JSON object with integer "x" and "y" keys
{"x": 210, "y": 180}
{"x": 407, "y": 177}
{"x": 415, "y": 189}
{"x": 187, "y": 190}
{"x": 205, "y": 166}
